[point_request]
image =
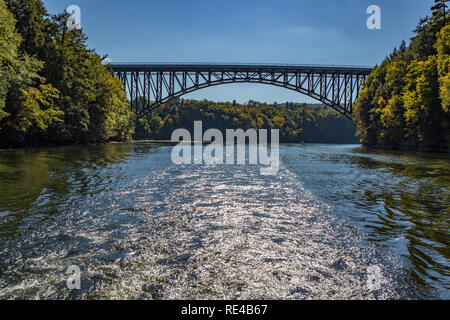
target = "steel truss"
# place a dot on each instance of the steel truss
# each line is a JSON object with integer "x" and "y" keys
{"x": 336, "y": 87}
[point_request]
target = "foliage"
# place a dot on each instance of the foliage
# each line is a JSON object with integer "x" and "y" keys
{"x": 54, "y": 89}
{"x": 9, "y": 44}
{"x": 296, "y": 122}
{"x": 405, "y": 101}
{"x": 38, "y": 108}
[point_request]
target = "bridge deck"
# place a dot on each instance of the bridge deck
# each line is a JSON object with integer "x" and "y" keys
{"x": 227, "y": 67}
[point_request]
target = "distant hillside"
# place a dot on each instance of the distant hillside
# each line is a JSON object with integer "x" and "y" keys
{"x": 297, "y": 122}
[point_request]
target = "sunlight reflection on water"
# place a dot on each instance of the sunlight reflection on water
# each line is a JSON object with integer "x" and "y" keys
{"x": 142, "y": 228}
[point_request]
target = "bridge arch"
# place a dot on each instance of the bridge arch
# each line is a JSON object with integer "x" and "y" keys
{"x": 336, "y": 87}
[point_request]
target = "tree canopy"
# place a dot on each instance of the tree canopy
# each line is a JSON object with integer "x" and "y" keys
{"x": 296, "y": 122}
{"x": 53, "y": 89}
{"x": 405, "y": 101}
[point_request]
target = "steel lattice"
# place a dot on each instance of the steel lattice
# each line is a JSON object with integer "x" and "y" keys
{"x": 336, "y": 87}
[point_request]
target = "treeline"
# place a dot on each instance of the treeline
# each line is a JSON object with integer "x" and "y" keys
{"x": 405, "y": 103}
{"x": 53, "y": 89}
{"x": 297, "y": 122}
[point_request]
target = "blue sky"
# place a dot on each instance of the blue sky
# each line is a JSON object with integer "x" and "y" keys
{"x": 254, "y": 31}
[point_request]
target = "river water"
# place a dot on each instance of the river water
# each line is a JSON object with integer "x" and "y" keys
{"x": 140, "y": 227}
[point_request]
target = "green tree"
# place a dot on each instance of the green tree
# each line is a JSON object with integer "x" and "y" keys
{"x": 404, "y": 102}
{"x": 68, "y": 82}
{"x": 443, "y": 49}
{"x": 38, "y": 108}
{"x": 439, "y": 11}
{"x": 29, "y": 101}
{"x": 32, "y": 24}
{"x": 9, "y": 44}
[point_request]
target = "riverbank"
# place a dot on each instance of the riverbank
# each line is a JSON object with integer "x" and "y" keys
{"x": 100, "y": 143}
{"x": 171, "y": 142}
{"x": 406, "y": 149}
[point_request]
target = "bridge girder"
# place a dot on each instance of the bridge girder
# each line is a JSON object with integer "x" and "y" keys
{"x": 336, "y": 87}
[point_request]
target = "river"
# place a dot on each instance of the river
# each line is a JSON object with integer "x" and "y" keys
{"x": 140, "y": 227}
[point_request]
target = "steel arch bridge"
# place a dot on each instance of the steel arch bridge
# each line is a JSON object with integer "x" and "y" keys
{"x": 334, "y": 86}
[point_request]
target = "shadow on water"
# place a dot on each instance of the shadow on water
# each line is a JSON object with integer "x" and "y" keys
{"x": 409, "y": 203}
{"x": 35, "y": 181}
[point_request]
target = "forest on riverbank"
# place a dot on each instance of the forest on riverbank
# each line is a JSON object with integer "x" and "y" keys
{"x": 53, "y": 89}
{"x": 405, "y": 103}
{"x": 309, "y": 123}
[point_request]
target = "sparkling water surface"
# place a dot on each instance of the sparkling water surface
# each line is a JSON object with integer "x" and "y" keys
{"x": 140, "y": 227}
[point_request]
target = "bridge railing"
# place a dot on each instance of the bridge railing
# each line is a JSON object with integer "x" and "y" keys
{"x": 237, "y": 65}
{"x": 228, "y": 64}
